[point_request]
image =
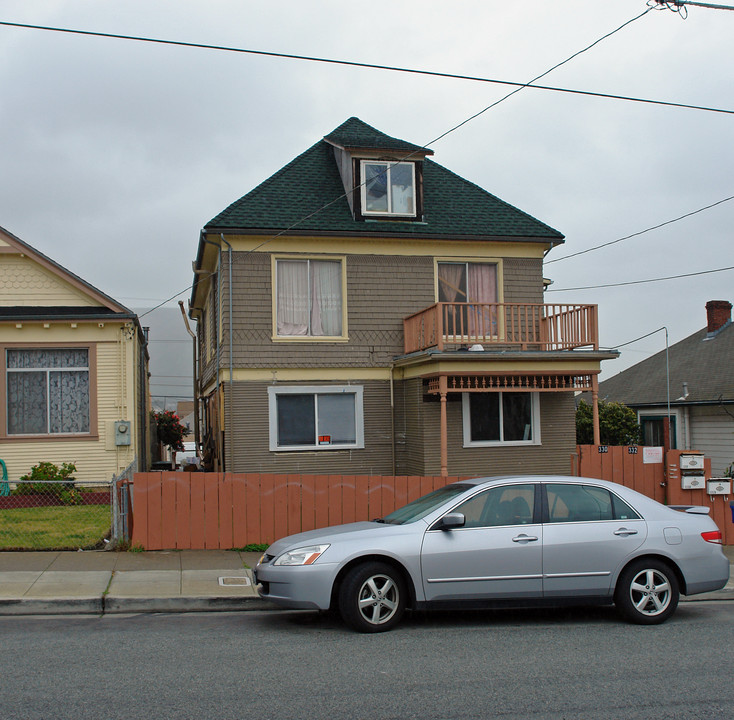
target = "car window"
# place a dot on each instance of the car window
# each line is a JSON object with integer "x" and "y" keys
{"x": 622, "y": 511}
{"x": 422, "y": 506}
{"x": 578, "y": 503}
{"x": 507, "y": 505}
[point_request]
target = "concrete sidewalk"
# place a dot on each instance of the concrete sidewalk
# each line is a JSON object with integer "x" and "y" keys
{"x": 98, "y": 582}
{"x": 127, "y": 582}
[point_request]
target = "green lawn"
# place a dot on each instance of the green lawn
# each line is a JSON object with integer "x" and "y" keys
{"x": 68, "y": 527}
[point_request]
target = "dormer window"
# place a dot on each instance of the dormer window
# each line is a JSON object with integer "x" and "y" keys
{"x": 388, "y": 188}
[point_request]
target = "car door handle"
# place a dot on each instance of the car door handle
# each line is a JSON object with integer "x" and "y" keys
{"x": 624, "y": 532}
{"x": 524, "y": 538}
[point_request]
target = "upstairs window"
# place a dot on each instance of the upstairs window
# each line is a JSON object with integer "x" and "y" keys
{"x": 309, "y": 298}
{"x": 388, "y": 188}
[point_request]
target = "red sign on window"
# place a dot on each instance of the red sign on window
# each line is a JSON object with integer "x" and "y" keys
{"x": 324, "y": 439}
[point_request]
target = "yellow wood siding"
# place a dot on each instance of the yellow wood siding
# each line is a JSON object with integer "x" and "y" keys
{"x": 96, "y": 459}
{"x": 24, "y": 282}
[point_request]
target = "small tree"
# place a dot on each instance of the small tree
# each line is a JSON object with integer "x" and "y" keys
{"x": 617, "y": 424}
{"x": 169, "y": 430}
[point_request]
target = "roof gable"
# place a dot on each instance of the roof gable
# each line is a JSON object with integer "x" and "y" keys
{"x": 307, "y": 196}
{"x": 32, "y": 281}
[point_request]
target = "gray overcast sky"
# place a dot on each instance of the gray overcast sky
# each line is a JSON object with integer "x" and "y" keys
{"x": 113, "y": 154}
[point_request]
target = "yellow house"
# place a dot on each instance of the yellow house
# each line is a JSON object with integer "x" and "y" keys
{"x": 74, "y": 371}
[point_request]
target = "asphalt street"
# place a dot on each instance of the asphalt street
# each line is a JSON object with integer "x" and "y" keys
{"x": 552, "y": 664}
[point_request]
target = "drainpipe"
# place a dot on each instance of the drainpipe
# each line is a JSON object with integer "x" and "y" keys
{"x": 204, "y": 239}
{"x": 392, "y": 414}
{"x": 231, "y": 359}
{"x": 197, "y": 436}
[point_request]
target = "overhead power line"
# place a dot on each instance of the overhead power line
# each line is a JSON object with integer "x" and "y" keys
{"x": 372, "y": 66}
{"x": 642, "y": 282}
{"x": 641, "y": 232}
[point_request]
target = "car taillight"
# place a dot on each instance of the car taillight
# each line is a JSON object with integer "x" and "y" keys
{"x": 713, "y": 536}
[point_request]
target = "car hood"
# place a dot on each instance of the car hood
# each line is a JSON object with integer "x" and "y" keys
{"x": 350, "y": 531}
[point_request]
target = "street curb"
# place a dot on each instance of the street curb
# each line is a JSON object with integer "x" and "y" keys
{"x": 117, "y": 605}
{"x": 51, "y": 606}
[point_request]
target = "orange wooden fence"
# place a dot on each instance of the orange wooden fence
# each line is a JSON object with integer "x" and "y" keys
{"x": 177, "y": 510}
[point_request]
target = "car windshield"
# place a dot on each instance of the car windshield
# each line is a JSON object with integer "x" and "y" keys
{"x": 423, "y": 506}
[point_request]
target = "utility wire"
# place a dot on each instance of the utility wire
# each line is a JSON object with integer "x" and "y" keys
{"x": 641, "y": 282}
{"x": 522, "y": 86}
{"x": 641, "y": 232}
{"x": 373, "y": 66}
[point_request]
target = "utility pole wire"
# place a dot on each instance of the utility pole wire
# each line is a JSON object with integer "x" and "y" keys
{"x": 640, "y": 232}
{"x": 642, "y": 282}
{"x": 683, "y": 3}
{"x": 350, "y": 63}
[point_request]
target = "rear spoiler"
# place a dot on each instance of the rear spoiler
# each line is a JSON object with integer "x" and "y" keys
{"x": 694, "y": 509}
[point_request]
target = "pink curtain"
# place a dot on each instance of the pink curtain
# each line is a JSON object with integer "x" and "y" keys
{"x": 482, "y": 288}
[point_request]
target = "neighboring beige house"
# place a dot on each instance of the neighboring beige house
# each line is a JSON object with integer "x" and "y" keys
{"x": 74, "y": 371}
{"x": 367, "y": 311}
{"x": 696, "y": 377}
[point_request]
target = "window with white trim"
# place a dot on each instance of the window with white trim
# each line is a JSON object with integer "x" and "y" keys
{"x": 48, "y": 391}
{"x": 308, "y": 298}
{"x": 388, "y": 188}
{"x": 501, "y": 418}
{"x": 326, "y": 417}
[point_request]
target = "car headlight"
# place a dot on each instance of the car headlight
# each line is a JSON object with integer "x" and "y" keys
{"x": 301, "y": 556}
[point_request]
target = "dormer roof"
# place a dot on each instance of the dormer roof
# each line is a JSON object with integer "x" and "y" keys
{"x": 355, "y": 137}
{"x": 307, "y": 197}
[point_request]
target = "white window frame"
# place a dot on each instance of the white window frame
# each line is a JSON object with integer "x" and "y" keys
{"x": 388, "y": 168}
{"x": 534, "y": 419}
{"x": 342, "y": 260}
{"x": 356, "y": 390}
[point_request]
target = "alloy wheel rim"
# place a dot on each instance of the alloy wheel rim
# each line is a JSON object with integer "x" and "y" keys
{"x": 650, "y": 592}
{"x": 378, "y": 599}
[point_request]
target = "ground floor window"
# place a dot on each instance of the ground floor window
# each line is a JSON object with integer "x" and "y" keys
{"x": 501, "y": 418}
{"x": 653, "y": 430}
{"x": 48, "y": 391}
{"x": 316, "y": 418}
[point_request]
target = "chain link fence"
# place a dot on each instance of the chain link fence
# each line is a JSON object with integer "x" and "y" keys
{"x": 56, "y": 515}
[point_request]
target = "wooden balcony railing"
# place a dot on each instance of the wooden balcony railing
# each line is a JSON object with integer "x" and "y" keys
{"x": 522, "y": 326}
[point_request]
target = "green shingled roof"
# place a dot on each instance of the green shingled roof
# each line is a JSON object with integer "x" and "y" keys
{"x": 307, "y": 195}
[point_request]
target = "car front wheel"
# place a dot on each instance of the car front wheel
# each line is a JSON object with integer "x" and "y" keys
{"x": 372, "y": 597}
{"x": 647, "y": 592}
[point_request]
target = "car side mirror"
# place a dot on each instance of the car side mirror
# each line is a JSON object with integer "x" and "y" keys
{"x": 451, "y": 521}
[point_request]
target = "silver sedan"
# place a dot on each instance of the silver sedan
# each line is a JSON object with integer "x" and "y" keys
{"x": 512, "y": 541}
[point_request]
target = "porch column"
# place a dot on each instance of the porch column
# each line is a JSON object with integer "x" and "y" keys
{"x": 443, "y": 388}
{"x": 595, "y": 408}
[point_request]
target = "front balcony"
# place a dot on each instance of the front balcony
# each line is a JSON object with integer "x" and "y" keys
{"x": 548, "y": 327}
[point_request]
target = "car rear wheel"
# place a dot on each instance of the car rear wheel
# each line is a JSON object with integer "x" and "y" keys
{"x": 647, "y": 592}
{"x": 372, "y": 597}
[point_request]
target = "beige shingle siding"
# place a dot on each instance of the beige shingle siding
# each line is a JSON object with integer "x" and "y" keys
{"x": 251, "y": 440}
{"x": 523, "y": 280}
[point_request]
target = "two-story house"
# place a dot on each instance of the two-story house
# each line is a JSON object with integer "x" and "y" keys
{"x": 73, "y": 374}
{"x": 367, "y": 311}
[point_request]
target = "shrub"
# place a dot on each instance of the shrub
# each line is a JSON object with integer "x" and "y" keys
{"x": 617, "y": 424}
{"x": 47, "y": 478}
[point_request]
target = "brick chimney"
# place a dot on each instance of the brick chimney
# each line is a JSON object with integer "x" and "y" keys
{"x": 718, "y": 314}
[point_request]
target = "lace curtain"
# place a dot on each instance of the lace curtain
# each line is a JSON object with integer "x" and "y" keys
{"x": 48, "y": 391}
{"x": 309, "y": 297}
